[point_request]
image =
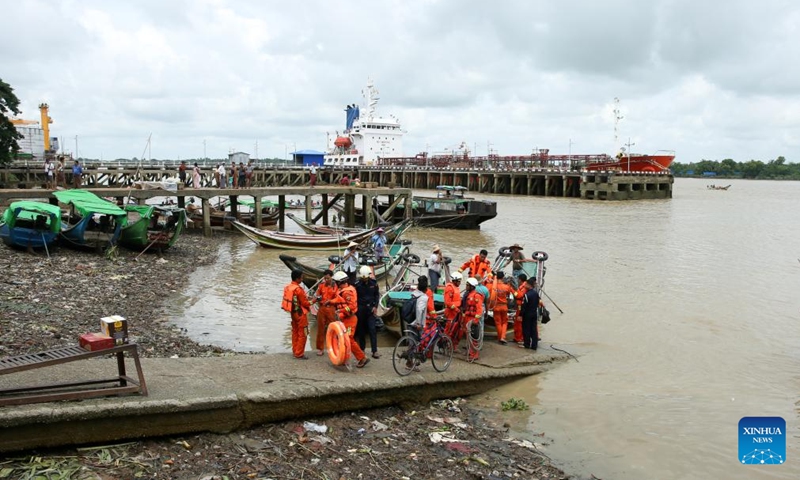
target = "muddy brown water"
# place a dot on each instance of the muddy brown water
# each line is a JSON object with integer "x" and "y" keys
{"x": 683, "y": 314}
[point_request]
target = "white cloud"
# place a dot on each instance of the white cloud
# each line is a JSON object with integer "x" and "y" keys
{"x": 704, "y": 80}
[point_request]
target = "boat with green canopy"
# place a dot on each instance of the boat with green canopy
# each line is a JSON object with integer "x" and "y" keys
{"x": 152, "y": 227}
{"x": 28, "y": 224}
{"x": 92, "y": 223}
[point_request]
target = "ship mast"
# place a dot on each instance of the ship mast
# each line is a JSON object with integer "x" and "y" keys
{"x": 617, "y": 118}
{"x": 371, "y": 96}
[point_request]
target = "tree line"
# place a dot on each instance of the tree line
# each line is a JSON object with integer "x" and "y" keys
{"x": 776, "y": 169}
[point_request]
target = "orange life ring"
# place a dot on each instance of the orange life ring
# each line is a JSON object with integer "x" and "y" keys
{"x": 337, "y": 343}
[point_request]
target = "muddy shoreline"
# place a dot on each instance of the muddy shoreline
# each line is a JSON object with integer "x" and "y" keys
{"x": 48, "y": 303}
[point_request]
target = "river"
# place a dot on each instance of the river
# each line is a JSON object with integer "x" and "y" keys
{"x": 682, "y": 314}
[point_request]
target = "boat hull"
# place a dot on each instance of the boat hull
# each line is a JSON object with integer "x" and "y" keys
{"x": 140, "y": 235}
{"x": 86, "y": 235}
{"x": 291, "y": 241}
{"x": 20, "y": 237}
{"x": 637, "y": 163}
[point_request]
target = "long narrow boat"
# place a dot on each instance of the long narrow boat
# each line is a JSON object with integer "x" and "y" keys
{"x": 312, "y": 274}
{"x": 301, "y": 241}
{"x": 312, "y": 228}
{"x": 27, "y": 224}
{"x": 153, "y": 227}
{"x": 93, "y": 223}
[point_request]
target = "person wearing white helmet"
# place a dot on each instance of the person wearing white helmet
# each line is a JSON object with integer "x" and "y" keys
{"x": 346, "y": 302}
{"x": 452, "y": 305}
{"x": 368, "y": 295}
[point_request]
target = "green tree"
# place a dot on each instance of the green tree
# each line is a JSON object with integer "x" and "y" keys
{"x": 8, "y": 133}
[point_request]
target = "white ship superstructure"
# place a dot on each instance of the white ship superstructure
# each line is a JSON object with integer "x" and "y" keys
{"x": 367, "y": 136}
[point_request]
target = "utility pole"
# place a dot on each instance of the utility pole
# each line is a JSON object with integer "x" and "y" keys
{"x": 256, "y": 150}
{"x": 76, "y": 147}
{"x": 569, "y": 156}
{"x": 629, "y": 145}
{"x": 204, "y": 149}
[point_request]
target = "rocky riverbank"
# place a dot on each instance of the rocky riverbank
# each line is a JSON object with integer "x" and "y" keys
{"x": 49, "y": 302}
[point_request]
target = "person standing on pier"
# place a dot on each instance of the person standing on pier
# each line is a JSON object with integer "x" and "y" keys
{"x": 518, "y": 296}
{"x": 530, "y": 316}
{"x": 312, "y": 173}
{"x": 182, "y": 172}
{"x": 221, "y": 179}
{"x": 326, "y": 291}
{"x": 346, "y": 303}
{"x": 350, "y": 261}
{"x": 60, "y": 179}
{"x": 296, "y": 303}
{"x": 49, "y": 171}
{"x": 500, "y": 312}
{"x": 196, "y": 176}
{"x": 368, "y": 294}
{"x": 234, "y": 178}
{"x": 249, "y": 174}
{"x": 77, "y": 174}
{"x": 242, "y": 175}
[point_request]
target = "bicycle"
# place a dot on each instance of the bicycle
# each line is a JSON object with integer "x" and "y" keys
{"x": 410, "y": 352}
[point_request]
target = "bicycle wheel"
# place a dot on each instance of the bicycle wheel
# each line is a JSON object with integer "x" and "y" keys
{"x": 442, "y": 353}
{"x": 403, "y": 358}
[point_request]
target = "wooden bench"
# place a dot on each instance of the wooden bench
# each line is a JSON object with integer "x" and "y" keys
{"x": 121, "y": 384}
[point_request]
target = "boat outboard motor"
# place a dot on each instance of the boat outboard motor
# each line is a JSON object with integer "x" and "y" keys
{"x": 335, "y": 259}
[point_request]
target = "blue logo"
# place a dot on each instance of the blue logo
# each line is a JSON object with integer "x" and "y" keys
{"x": 762, "y": 440}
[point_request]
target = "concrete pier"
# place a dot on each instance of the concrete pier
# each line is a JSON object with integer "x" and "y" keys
{"x": 223, "y": 394}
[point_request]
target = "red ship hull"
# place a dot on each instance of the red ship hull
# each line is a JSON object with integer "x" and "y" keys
{"x": 635, "y": 163}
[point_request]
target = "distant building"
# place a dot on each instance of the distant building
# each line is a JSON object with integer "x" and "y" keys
{"x": 308, "y": 157}
{"x": 238, "y": 157}
{"x": 709, "y": 174}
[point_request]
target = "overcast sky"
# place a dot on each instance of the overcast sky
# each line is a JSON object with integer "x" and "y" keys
{"x": 707, "y": 79}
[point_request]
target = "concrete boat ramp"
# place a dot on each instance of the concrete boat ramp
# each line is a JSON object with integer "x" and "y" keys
{"x": 223, "y": 394}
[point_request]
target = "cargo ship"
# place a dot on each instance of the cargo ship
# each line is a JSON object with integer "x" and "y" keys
{"x": 371, "y": 140}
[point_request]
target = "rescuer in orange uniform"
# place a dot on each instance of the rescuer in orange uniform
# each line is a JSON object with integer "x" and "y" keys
{"x": 296, "y": 303}
{"x": 473, "y": 309}
{"x": 346, "y": 302}
{"x": 326, "y": 291}
{"x": 523, "y": 287}
{"x": 452, "y": 307}
{"x": 477, "y": 265}
{"x": 502, "y": 293}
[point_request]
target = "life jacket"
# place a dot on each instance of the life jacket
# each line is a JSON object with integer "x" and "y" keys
{"x": 452, "y": 296}
{"x": 287, "y": 304}
{"x": 504, "y": 293}
{"x": 474, "y": 304}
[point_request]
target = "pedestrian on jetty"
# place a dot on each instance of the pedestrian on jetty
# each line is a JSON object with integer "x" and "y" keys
{"x": 60, "y": 178}
{"x": 368, "y": 294}
{"x": 242, "y": 175}
{"x": 477, "y": 265}
{"x": 221, "y": 180}
{"x": 346, "y": 303}
{"x": 182, "y": 172}
{"x": 49, "y": 170}
{"x": 296, "y": 303}
{"x": 249, "y": 174}
{"x": 312, "y": 173}
{"x": 502, "y": 292}
{"x": 518, "y": 295}
{"x": 530, "y": 316}
{"x": 326, "y": 291}
{"x": 234, "y": 178}
{"x": 196, "y": 176}
{"x": 77, "y": 174}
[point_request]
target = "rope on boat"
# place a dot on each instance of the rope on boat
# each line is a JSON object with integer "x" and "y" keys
{"x": 564, "y": 351}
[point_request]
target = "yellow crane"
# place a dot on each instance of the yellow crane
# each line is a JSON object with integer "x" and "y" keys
{"x": 45, "y": 122}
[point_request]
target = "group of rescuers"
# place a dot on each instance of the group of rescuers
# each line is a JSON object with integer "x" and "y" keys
{"x": 354, "y": 301}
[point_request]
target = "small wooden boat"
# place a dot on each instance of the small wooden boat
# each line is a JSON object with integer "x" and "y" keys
{"x": 27, "y": 224}
{"x": 301, "y": 241}
{"x": 152, "y": 227}
{"x": 716, "y": 187}
{"x": 92, "y": 223}
{"x": 311, "y": 275}
{"x": 311, "y": 228}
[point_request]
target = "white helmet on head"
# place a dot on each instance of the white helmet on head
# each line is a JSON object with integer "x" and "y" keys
{"x": 456, "y": 277}
{"x": 364, "y": 271}
{"x": 339, "y": 276}
{"x": 472, "y": 281}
